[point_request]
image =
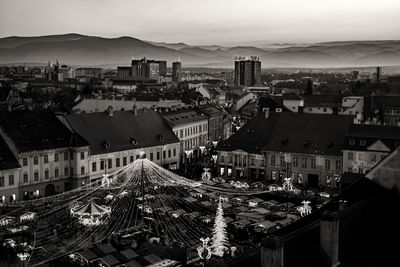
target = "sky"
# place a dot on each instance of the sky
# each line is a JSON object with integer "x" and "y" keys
{"x": 206, "y": 21}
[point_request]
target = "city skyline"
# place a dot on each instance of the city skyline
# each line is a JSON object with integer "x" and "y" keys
{"x": 206, "y": 22}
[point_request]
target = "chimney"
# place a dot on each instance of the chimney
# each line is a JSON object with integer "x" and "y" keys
{"x": 266, "y": 113}
{"x": 110, "y": 111}
{"x": 135, "y": 112}
{"x": 272, "y": 252}
{"x": 329, "y": 236}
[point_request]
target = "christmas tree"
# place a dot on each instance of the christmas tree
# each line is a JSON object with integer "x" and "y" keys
{"x": 219, "y": 239}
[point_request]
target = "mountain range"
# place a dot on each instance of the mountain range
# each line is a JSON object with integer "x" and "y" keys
{"x": 83, "y": 50}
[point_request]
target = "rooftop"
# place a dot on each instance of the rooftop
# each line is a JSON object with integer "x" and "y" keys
{"x": 37, "y": 130}
{"x": 122, "y": 131}
{"x": 291, "y": 132}
{"x": 182, "y": 116}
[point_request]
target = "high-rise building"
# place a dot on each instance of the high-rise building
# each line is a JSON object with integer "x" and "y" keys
{"x": 176, "y": 72}
{"x": 162, "y": 65}
{"x": 247, "y": 71}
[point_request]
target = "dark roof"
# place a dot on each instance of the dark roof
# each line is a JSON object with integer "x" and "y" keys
{"x": 322, "y": 100}
{"x": 37, "y": 130}
{"x": 121, "y": 130}
{"x": 387, "y": 101}
{"x": 182, "y": 116}
{"x": 374, "y": 131}
{"x": 291, "y": 97}
{"x": 7, "y": 159}
{"x": 291, "y": 132}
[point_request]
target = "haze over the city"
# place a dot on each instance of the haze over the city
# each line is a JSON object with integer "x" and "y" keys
{"x": 225, "y": 22}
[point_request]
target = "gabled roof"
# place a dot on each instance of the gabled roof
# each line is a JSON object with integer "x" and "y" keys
{"x": 37, "y": 130}
{"x": 122, "y": 131}
{"x": 291, "y": 132}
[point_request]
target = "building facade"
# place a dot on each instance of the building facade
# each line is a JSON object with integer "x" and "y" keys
{"x": 247, "y": 71}
{"x": 50, "y": 156}
{"x": 219, "y": 122}
{"x": 189, "y": 126}
{"x": 366, "y": 145}
{"x": 176, "y": 72}
{"x": 125, "y": 135}
{"x": 273, "y": 146}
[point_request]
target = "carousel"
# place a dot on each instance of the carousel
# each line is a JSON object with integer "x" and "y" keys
{"x": 90, "y": 214}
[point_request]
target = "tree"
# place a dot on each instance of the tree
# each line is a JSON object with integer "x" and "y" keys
{"x": 219, "y": 239}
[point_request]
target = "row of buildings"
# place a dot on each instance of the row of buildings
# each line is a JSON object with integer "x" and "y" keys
{"x": 43, "y": 154}
{"x": 314, "y": 149}
{"x": 150, "y": 69}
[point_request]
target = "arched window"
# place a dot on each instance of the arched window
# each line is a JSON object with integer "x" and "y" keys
{"x": 46, "y": 174}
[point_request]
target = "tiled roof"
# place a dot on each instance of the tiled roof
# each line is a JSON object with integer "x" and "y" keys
{"x": 388, "y": 101}
{"x": 122, "y": 131}
{"x": 374, "y": 131}
{"x": 37, "y": 130}
{"x": 291, "y": 132}
{"x": 182, "y": 116}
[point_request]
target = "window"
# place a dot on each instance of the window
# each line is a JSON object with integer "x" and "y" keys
{"x": 350, "y": 156}
{"x": 362, "y": 142}
{"x": 174, "y": 152}
{"x": 324, "y": 109}
{"x": 158, "y": 155}
{"x": 11, "y": 179}
{"x": 295, "y": 161}
{"x": 25, "y": 162}
{"x": 110, "y": 163}
{"x": 382, "y": 157}
{"x": 338, "y": 165}
{"x": 272, "y": 160}
{"x": 350, "y": 169}
{"x": 1, "y": 181}
{"x": 313, "y": 165}
{"x": 327, "y": 164}
{"x": 117, "y": 162}
{"x": 36, "y": 176}
{"x": 66, "y": 170}
{"x": 131, "y": 159}
{"x": 200, "y": 129}
{"x": 230, "y": 159}
{"x": 352, "y": 142}
{"x": 360, "y": 157}
{"x": 151, "y": 156}
{"x": 82, "y": 155}
{"x": 71, "y": 171}
{"x": 262, "y": 162}
{"x": 169, "y": 153}
{"x": 56, "y": 173}
{"x": 181, "y": 134}
{"x": 164, "y": 154}
{"x": 236, "y": 160}
{"x": 83, "y": 170}
{"x": 222, "y": 159}
{"x": 137, "y": 156}
{"x": 35, "y": 160}
{"x": 94, "y": 167}
{"x": 373, "y": 157}
{"x": 55, "y": 157}
{"x": 65, "y": 155}
{"x": 304, "y": 163}
{"x": 46, "y": 159}
{"x": 124, "y": 162}
{"x": 25, "y": 178}
{"x": 102, "y": 165}
{"x": 252, "y": 161}
{"x": 46, "y": 174}
{"x": 282, "y": 160}
{"x": 71, "y": 155}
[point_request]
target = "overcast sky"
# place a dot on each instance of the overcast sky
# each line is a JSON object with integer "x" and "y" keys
{"x": 206, "y": 21}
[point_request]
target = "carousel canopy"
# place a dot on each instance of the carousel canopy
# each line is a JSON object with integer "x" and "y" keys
{"x": 92, "y": 209}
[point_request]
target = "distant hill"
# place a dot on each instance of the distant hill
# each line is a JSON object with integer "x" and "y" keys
{"x": 83, "y": 50}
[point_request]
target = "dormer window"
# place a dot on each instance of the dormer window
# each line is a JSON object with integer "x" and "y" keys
{"x": 352, "y": 142}
{"x": 107, "y": 145}
{"x": 362, "y": 142}
{"x": 133, "y": 141}
{"x": 160, "y": 137}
